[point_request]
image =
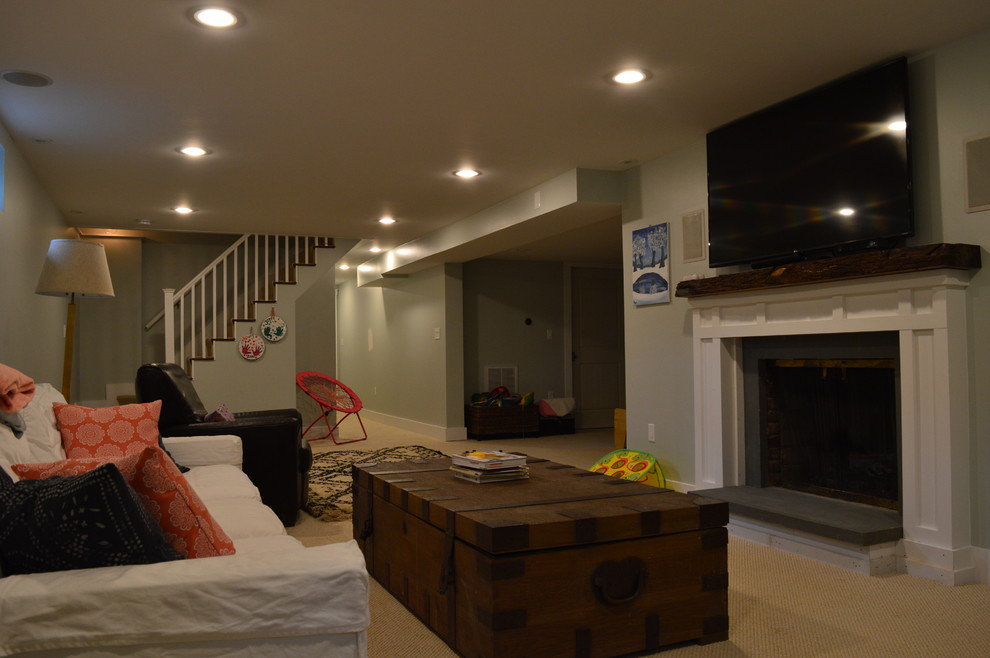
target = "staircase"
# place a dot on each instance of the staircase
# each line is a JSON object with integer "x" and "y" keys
{"x": 203, "y": 313}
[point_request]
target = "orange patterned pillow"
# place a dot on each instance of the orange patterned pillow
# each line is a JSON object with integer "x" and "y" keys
{"x": 163, "y": 491}
{"x": 107, "y": 432}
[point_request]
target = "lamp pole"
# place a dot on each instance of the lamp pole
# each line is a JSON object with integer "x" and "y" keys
{"x": 70, "y": 333}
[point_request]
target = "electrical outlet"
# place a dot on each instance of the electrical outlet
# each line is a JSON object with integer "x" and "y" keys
{"x": 651, "y": 434}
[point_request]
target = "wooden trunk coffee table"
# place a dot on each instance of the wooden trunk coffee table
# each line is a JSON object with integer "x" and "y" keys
{"x": 565, "y": 563}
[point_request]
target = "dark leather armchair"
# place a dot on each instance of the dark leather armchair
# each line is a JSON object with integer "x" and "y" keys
{"x": 275, "y": 456}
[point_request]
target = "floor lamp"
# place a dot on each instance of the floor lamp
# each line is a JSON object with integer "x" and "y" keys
{"x": 74, "y": 267}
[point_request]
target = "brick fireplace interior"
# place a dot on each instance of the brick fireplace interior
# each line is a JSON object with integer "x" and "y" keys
{"x": 823, "y": 415}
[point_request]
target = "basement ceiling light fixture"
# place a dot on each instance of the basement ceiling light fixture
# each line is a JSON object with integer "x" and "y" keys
{"x": 183, "y": 210}
{"x": 386, "y": 220}
{"x": 629, "y": 76}
{"x": 193, "y": 151}
{"x": 467, "y": 173}
{"x": 218, "y": 17}
{"x": 375, "y": 250}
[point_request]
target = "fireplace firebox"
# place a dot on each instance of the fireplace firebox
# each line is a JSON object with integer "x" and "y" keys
{"x": 830, "y": 428}
{"x": 822, "y": 415}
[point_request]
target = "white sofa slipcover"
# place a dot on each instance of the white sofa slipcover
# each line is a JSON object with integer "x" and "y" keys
{"x": 274, "y": 597}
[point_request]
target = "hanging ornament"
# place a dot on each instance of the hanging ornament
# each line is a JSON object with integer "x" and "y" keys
{"x": 273, "y": 328}
{"x": 251, "y": 346}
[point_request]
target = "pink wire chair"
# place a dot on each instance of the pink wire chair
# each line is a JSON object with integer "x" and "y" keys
{"x": 332, "y": 396}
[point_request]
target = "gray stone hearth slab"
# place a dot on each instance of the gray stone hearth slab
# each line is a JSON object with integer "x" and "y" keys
{"x": 853, "y": 523}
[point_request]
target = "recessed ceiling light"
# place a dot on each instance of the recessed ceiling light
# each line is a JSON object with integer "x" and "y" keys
{"x": 467, "y": 173}
{"x": 183, "y": 210}
{"x": 386, "y": 220}
{"x": 215, "y": 17}
{"x": 344, "y": 266}
{"x": 630, "y": 76}
{"x": 897, "y": 126}
{"x": 375, "y": 250}
{"x": 26, "y": 78}
{"x": 193, "y": 151}
{"x": 144, "y": 222}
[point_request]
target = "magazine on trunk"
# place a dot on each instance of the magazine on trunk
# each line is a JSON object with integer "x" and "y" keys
{"x": 499, "y": 475}
{"x": 486, "y": 460}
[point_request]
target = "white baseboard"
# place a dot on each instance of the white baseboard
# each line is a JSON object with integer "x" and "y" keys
{"x": 433, "y": 431}
{"x": 682, "y": 487}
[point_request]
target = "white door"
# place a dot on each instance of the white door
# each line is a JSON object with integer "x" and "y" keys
{"x": 597, "y": 345}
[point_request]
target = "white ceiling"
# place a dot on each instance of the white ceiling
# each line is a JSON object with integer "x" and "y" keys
{"x": 323, "y": 116}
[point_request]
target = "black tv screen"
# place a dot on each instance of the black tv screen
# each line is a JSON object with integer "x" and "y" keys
{"x": 823, "y": 173}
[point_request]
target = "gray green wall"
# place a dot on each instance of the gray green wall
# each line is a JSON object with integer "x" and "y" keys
{"x": 31, "y": 338}
{"x": 387, "y": 351}
{"x": 499, "y": 296}
{"x": 109, "y": 330}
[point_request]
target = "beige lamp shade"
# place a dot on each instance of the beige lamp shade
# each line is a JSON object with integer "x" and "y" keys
{"x": 75, "y": 267}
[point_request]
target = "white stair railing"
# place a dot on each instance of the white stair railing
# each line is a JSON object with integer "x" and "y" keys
{"x": 205, "y": 309}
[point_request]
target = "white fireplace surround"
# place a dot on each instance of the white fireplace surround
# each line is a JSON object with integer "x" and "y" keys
{"x": 929, "y": 311}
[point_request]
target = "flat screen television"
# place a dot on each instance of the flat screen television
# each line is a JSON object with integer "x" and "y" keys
{"x": 824, "y": 173}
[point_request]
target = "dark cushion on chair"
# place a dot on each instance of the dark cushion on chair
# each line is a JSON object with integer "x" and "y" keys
{"x": 77, "y": 522}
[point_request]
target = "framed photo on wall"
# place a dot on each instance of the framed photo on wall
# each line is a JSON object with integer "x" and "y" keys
{"x": 651, "y": 265}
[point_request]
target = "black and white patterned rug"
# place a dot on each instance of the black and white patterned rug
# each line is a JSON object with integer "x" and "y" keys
{"x": 330, "y": 496}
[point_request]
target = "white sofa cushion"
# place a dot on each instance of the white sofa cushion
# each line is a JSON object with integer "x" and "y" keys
{"x": 220, "y": 482}
{"x": 242, "y": 518}
{"x": 192, "y": 451}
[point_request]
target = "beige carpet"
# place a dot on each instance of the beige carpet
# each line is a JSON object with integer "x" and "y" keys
{"x": 780, "y": 605}
{"x": 785, "y": 606}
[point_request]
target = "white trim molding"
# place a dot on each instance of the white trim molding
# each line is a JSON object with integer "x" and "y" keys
{"x": 928, "y": 310}
{"x": 432, "y": 431}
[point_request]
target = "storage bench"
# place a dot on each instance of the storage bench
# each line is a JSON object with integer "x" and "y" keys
{"x": 501, "y": 422}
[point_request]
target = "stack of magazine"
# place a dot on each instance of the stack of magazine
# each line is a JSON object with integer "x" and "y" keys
{"x": 482, "y": 466}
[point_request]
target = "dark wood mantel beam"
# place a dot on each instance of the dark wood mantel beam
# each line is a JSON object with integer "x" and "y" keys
{"x": 854, "y": 266}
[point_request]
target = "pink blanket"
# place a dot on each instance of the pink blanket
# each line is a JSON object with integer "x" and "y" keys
{"x": 16, "y": 389}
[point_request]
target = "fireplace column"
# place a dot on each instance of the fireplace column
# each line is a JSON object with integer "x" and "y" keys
{"x": 928, "y": 310}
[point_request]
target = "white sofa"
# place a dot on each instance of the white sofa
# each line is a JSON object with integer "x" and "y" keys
{"x": 274, "y": 597}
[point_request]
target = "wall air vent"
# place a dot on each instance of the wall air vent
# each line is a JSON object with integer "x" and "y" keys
{"x": 496, "y": 376}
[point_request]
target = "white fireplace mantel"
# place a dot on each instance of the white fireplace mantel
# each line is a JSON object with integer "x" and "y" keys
{"x": 929, "y": 311}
